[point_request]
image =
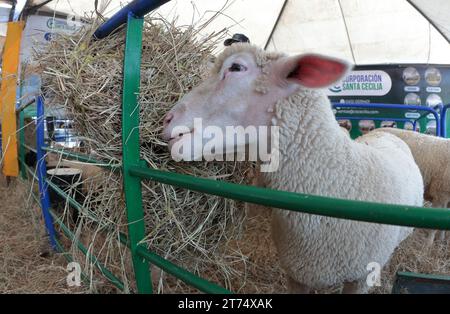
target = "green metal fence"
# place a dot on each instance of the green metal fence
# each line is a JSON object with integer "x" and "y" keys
{"x": 134, "y": 170}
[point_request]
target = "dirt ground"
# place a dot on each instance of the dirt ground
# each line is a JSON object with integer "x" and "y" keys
{"x": 26, "y": 263}
{"x": 26, "y": 266}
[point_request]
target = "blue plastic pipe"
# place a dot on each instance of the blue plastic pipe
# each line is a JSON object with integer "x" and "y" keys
{"x": 42, "y": 172}
{"x": 138, "y": 8}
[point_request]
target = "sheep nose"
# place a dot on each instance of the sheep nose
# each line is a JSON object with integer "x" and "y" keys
{"x": 167, "y": 119}
{"x": 166, "y": 133}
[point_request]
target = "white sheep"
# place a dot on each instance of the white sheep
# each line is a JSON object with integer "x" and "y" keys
{"x": 250, "y": 87}
{"x": 432, "y": 155}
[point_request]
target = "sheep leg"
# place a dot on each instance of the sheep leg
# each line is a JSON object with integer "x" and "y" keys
{"x": 294, "y": 287}
{"x": 437, "y": 203}
{"x": 434, "y": 235}
{"x": 355, "y": 287}
{"x": 430, "y": 238}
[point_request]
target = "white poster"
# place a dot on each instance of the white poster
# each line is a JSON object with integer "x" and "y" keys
{"x": 362, "y": 83}
{"x": 38, "y": 32}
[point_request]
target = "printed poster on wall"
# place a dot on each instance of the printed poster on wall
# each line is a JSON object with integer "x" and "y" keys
{"x": 39, "y": 31}
{"x": 406, "y": 84}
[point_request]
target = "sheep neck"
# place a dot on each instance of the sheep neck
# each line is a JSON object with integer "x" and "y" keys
{"x": 313, "y": 149}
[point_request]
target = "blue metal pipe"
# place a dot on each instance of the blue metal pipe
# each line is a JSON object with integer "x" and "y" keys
{"x": 138, "y": 8}
{"x": 42, "y": 172}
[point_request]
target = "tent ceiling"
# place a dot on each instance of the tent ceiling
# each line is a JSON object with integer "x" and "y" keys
{"x": 5, "y": 7}
{"x": 235, "y": 17}
{"x": 365, "y": 31}
{"x": 81, "y": 7}
{"x": 438, "y": 12}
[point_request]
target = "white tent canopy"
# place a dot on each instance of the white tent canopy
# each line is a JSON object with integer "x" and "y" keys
{"x": 362, "y": 31}
{"x": 245, "y": 16}
{"x": 438, "y": 12}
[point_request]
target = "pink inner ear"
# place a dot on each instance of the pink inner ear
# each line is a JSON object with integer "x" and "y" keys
{"x": 316, "y": 71}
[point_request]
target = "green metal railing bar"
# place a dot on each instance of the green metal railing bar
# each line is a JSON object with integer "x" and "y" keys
{"x": 23, "y": 173}
{"x": 30, "y": 171}
{"x": 70, "y": 259}
{"x": 186, "y": 276}
{"x": 131, "y": 149}
{"x": 66, "y": 196}
{"x": 61, "y": 248}
{"x": 63, "y": 194}
{"x": 84, "y": 158}
{"x": 77, "y": 157}
{"x": 35, "y": 197}
{"x": 110, "y": 276}
{"x": 434, "y": 218}
{"x": 182, "y": 274}
{"x": 424, "y": 276}
{"x": 93, "y": 259}
{"x": 29, "y": 148}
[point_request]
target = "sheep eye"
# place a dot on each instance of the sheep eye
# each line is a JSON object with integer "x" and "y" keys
{"x": 236, "y": 67}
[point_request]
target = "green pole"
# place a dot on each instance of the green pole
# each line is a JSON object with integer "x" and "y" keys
{"x": 23, "y": 172}
{"x": 84, "y": 158}
{"x": 131, "y": 150}
{"x": 402, "y": 215}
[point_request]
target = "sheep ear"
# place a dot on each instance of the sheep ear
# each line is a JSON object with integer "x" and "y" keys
{"x": 314, "y": 71}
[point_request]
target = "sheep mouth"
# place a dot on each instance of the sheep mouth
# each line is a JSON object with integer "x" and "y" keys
{"x": 175, "y": 139}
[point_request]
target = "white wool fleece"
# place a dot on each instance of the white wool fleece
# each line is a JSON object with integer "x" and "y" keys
{"x": 316, "y": 157}
{"x": 432, "y": 155}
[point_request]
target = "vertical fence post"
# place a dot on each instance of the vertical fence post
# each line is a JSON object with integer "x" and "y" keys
{"x": 444, "y": 120}
{"x": 131, "y": 149}
{"x": 23, "y": 171}
{"x": 8, "y": 99}
{"x": 42, "y": 172}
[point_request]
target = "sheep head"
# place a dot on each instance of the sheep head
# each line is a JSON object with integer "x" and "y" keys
{"x": 241, "y": 91}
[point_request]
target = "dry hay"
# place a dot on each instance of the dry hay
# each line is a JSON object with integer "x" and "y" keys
{"x": 414, "y": 256}
{"x": 85, "y": 77}
{"x": 24, "y": 266}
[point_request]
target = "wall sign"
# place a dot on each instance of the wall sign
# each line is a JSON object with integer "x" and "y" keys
{"x": 363, "y": 83}
{"x": 409, "y": 84}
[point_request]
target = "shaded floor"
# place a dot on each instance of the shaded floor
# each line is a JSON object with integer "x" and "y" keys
{"x": 26, "y": 266}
